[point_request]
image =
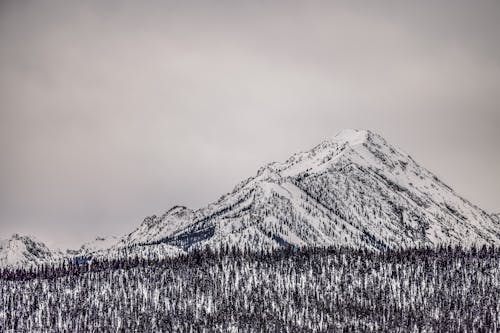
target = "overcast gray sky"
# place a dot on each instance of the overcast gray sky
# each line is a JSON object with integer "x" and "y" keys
{"x": 114, "y": 110}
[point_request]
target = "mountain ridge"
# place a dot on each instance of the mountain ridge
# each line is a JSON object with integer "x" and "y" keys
{"x": 352, "y": 189}
{"x": 362, "y": 154}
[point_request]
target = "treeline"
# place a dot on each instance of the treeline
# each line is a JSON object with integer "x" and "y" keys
{"x": 290, "y": 290}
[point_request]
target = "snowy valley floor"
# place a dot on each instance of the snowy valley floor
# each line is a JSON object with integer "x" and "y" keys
{"x": 313, "y": 290}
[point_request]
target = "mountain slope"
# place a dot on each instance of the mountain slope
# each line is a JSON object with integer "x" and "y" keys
{"x": 354, "y": 189}
{"x": 23, "y": 251}
{"x": 154, "y": 228}
{"x": 115, "y": 248}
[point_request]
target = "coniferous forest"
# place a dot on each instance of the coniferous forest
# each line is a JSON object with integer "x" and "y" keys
{"x": 308, "y": 290}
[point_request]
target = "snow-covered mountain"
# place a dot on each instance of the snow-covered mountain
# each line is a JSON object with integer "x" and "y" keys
{"x": 354, "y": 189}
{"x": 24, "y": 251}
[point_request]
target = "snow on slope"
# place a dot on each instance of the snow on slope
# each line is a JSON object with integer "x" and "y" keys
{"x": 154, "y": 228}
{"x": 96, "y": 245}
{"x": 353, "y": 189}
{"x": 23, "y": 251}
{"x": 114, "y": 248}
{"x": 146, "y": 251}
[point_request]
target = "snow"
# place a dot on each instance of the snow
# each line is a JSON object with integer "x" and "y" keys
{"x": 349, "y": 186}
{"x": 23, "y": 251}
{"x": 98, "y": 244}
{"x": 155, "y": 228}
{"x": 352, "y": 137}
{"x": 352, "y": 189}
{"x": 365, "y": 178}
{"x": 496, "y": 217}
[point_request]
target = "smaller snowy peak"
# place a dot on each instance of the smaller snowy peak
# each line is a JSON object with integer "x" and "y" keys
{"x": 176, "y": 212}
{"x": 23, "y": 251}
{"x": 96, "y": 245}
{"x": 154, "y": 228}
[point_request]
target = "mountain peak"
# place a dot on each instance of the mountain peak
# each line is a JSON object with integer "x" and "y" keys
{"x": 16, "y": 236}
{"x": 178, "y": 210}
{"x": 22, "y": 238}
{"x": 21, "y": 250}
{"x": 343, "y": 138}
{"x": 154, "y": 228}
{"x": 98, "y": 244}
{"x": 353, "y": 189}
{"x": 351, "y": 136}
